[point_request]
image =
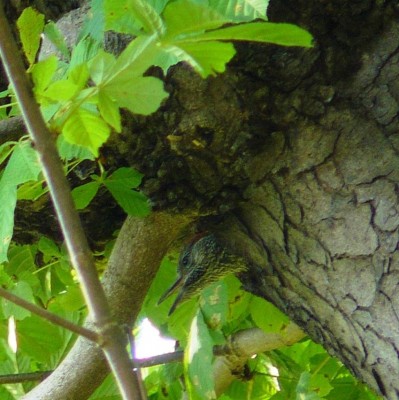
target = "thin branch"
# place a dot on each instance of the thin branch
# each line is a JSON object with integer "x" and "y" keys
{"x": 240, "y": 347}
{"x": 243, "y": 345}
{"x": 112, "y": 337}
{"x": 55, "y": 319}
{"x": 27, "y": 377}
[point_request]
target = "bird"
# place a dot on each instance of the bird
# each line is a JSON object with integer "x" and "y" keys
{"x": 203, "y": 260}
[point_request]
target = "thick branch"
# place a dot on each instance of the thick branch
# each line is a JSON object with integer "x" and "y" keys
{"x": 245, "y": 344}
{"x": 138, "y": 251}
{"x": 75, "y": 238}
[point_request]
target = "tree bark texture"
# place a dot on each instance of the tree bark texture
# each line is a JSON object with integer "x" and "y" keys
{"x": 293, "y": 153}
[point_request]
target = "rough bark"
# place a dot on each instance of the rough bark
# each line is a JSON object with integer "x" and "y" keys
{"x": 297, "y": 151}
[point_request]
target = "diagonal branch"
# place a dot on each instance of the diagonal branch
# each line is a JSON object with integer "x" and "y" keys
{"x": 55, "y": 319}
{"x": 112, "y": 338}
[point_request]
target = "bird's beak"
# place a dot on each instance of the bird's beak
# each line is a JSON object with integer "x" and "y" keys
{"x": 177, "y": 285}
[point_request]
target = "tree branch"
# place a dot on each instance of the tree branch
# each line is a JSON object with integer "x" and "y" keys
{"x": 243, "y": 345}
{"x": 55, "y": 319}
{"x": 135, "y": 259}
{"x": 12, "y": 129}
{"x": 81, "y": 257}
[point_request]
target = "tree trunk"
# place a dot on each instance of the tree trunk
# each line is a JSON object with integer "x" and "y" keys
{"x": 297, "y": 149}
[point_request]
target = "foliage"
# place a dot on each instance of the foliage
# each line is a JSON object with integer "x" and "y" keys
{"x": 80, "y": 94}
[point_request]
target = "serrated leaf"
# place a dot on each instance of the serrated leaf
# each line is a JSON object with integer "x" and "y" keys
{"x": 140, "y": 95}
{"x": 267, "y": 316}
{"x": 55, "y": 36}
{"x": 109, "y": 111}
{"x": 185, "y": 18}
{"x": 61, "y": 90}
{"x": 143, "y": 12}
{"x": 207, "y": 58}
{"x": 126, "y": 176}
{"x": 30, "y": 25}
{"x": 241, "y": 10}
{"x": 86, "y": 129}
{"x": 21, "y": 289}
{"x": 69, "y": 151}
{"x": 84, "y": 194}
{"x": 134, "y": 60}
{"x": 42, "y": 73}
{"x": 132, "y": 202}
{"x": 265, "y": 32}
{"x": 22, "y": 166}
{"x": 198, "y": 361}
{"x": 131, "y": 15}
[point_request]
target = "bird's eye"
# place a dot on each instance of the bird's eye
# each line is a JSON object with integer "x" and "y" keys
{"x": 184, "y": 260}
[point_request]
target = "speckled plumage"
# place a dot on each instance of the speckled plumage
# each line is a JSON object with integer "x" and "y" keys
{"x": 203, "y": 261}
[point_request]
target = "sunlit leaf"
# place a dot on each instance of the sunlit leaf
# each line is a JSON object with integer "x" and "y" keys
{"x": 265, "y": 32}
{"x": 86, "y": 129}
{"x": 184, "y": 18}
{"x": 30, "y": 25}
{"x": 198, "y": 361}
{"x": 241, "y": 10}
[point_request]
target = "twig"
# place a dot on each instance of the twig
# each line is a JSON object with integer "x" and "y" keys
{"x": 112, "y": 337}
{"x": 55, "y": 319}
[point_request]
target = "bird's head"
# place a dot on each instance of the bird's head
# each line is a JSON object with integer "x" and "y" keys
{"x": 203, "y": 261}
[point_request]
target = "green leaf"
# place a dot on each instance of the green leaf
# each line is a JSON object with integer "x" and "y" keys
{"x": 143, "y": 12}
{"x": 42, "y": 73}
{"x": 109, "y": 111}
{"x": 55, "y": 36}
{"x": 207, "y": 58}
{"x": 38, "y": 338}
{"x": 140, "y": 95}
{"x": 133, "y": 61}
{"x": 120, "y": 184}
{"x": 84, "y": 194}
{"x": 70, "y": 300}
{"x": 30, "y": 25}
{"x": 31, "y": 191}
{"x": 267, "y": 316}
{"x": 131, "y": 15}
{"x": 265, "y": 32}
{"x": 79, "y": 76}
{"x": 48, "y": 248}
{"x": 303, "y": 388}
{"x": 198, "y": 361}
{"x": 86, "y": 129}
{"x": 68, "y": 151}
{"x": 100, "y": 66}
{"x": 61, "y": 90}
{"x": 184, "y": 18}
{"x": 241, "y": 10}
{"x": 126, "y": 176}
{"x": 23, "y": 165}
{"x": 214, "y": 305}
{"x": 21, "y": 289}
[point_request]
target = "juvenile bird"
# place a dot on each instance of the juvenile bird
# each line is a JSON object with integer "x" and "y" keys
{"x": 203, "y": 261}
